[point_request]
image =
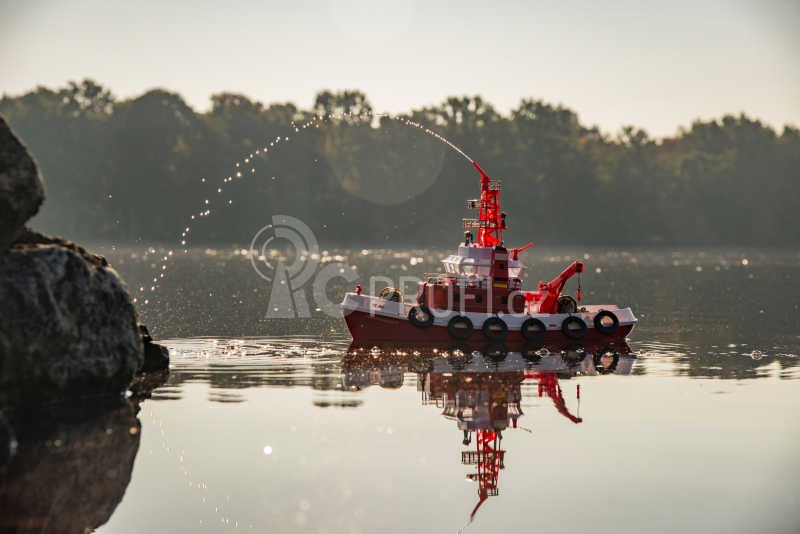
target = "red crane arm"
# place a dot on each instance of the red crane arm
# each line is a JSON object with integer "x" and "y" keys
{"x": 562, "y": 278}
{"x": 554, "y": 288}
{"x": 555, "y": 394}
{"x": 548, "y": 384}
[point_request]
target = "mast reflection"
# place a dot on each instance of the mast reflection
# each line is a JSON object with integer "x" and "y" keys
{"x": 479, "y": 386}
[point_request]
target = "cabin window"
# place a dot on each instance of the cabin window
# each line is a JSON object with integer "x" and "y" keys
{"x": 478, "y": 299}
{"x": 449, "y": 268}
{"x": 514, "y": 272}
{"x": 484, "y": 271}
{"x": 501, "y": 266}
{"x": 504, "y": 300}
{"x": 457, "y": 297}
{"x": 468, "y": 269}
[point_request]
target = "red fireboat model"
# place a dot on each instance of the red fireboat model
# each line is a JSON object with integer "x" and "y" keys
{"x": 480, "y": 296}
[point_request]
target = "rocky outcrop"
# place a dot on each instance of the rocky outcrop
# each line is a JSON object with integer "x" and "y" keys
{"x": 21, "y": 185}
{"x": 69, "y": 328}
{"x": 71, "y": 467}
{"x": 29, "y": 238}
{"x": 156, "y": 357}
{"x": 8, "y": 443}
{"x": 145, "y": 382}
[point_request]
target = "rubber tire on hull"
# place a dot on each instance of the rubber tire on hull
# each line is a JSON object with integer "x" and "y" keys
{"x": 574, "y": 353}
{"x": 459, "y": 356}
{"x": 603, "y": 329}
{"x": 495, "y": 352}
{"x": 598, "y": 361}
{"x": 569, "y": 333}
{"x": 455, "y": 334}
{"x": 527, "y": 324}
{"x": 422, "y": 325}
{"x": 491, "y": 335}
{"x": 530, "y": 352}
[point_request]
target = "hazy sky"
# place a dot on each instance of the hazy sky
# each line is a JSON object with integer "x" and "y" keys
{"x": 657, "y": 65}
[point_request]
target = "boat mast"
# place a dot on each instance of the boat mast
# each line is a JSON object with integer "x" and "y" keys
{"x": 491, "y": 221}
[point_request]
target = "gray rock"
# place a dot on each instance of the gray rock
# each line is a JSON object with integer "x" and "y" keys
{"x": 68, "y": 327}
{"x": 21, "y": 186}
{"x": 29, "y": 237}
{"x": 72, "y": 466}
{"x": 8, "y": 443}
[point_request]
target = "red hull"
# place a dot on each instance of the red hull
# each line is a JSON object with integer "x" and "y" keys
{"x": 362, "y": 325}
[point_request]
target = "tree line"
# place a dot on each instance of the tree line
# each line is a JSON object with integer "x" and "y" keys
{"x": 137, "y": 170}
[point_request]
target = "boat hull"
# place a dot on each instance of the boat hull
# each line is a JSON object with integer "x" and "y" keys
{"x": 372, "y": 326}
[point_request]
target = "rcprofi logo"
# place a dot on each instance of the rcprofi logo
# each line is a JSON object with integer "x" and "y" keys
{"x": 287, "y": 293}
{"x": 288, "y": 297}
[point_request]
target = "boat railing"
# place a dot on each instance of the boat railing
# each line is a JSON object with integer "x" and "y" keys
{"x": 473, "y": 283}
{"x": 452, "y": 280}
{"x": 483, "y": 457}
{"x": 476, "y": 223}
{"x": 433, "y": 399}
{"x": 466, "y": 282}
{"x": 435, "y": 278}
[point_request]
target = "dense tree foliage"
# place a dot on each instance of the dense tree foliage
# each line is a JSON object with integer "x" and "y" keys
{"x": 138, "y": 169}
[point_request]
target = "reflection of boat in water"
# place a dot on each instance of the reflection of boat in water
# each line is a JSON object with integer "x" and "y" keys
{"x": 479, "y": 386}
{"x": 479, "y": 296}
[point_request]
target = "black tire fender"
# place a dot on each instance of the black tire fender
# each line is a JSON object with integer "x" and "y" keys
{"x": 574, "y": 353}
{"x": 455, "y": 334}
{"x": 598, "y": 361}
{"x": 569, "y": 333}
{"x": 603, "y": 329}
{"x": 530, "y": 352}
{"x": 459, "y": 356}
{"x": 495, "y": 352}
{"x": 487, "y": 324}
{"x": 413, "y": 317}
{"x": 530, "y": 322}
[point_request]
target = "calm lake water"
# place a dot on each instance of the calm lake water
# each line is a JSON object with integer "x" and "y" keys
{"x": 284, "y": 425}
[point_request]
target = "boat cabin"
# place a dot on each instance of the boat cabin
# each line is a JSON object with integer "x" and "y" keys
{"x": 477, "y": 279}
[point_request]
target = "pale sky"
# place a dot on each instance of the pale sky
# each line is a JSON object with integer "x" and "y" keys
{"x": 656, "y": 65}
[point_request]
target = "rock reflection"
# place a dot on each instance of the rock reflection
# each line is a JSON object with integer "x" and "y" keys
{"x": 144, "y": 385}
{"x": 478, "y": 386}
{"x": 72, "y": 463}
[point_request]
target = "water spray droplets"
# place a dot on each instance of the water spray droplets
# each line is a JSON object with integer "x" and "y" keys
{"x": 202, "y": 487}
{"x": 313, "y": 122}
